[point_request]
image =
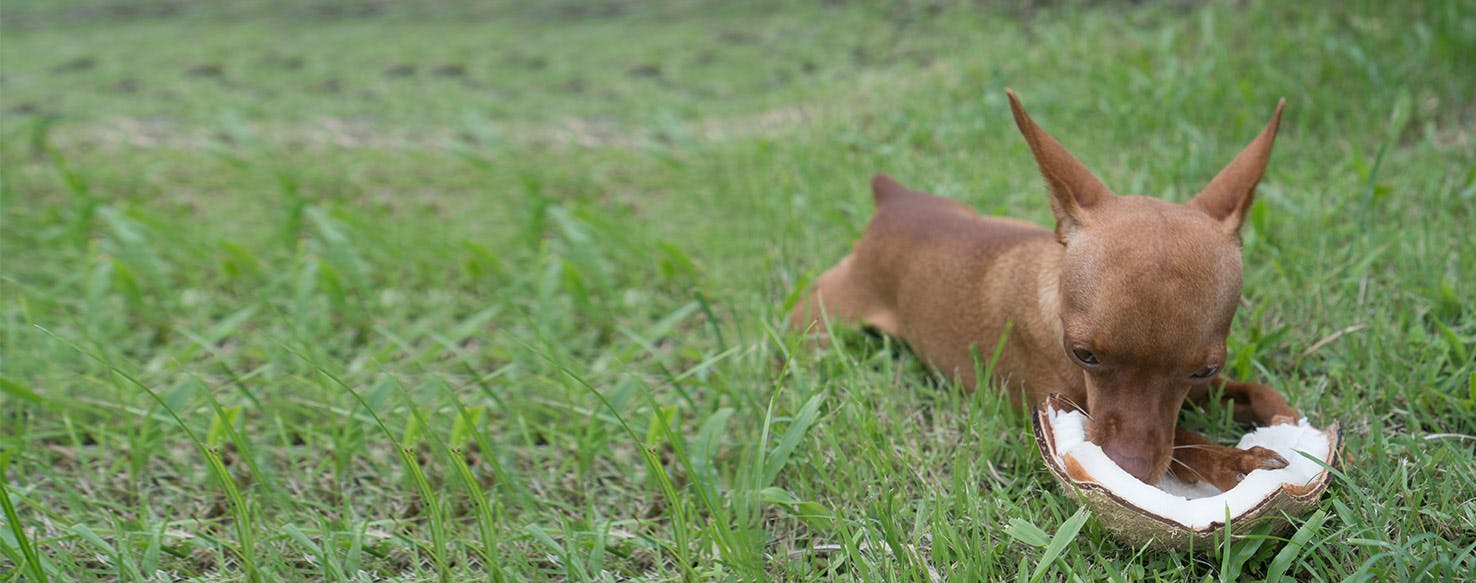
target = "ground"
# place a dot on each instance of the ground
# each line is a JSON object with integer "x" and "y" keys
{"x": 350, "y": 289}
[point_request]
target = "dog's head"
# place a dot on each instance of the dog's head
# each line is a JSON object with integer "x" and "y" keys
{"x": 1147, "y": 292}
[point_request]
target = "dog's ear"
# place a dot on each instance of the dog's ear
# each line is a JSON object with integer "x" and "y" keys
{"x": 1228, "y": 197}
{"x": 884, "y": 188}
{"x": 1074, "y": 189}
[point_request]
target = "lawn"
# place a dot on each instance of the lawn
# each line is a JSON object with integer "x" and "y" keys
{"x": 356, "y": 290}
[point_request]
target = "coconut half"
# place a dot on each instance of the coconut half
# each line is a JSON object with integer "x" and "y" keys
{"x": 1175, "y": 514}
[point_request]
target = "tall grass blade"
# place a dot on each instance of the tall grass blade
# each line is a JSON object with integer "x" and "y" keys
{"x": 1065, "y": 535}
{"x": 241, "y": 513}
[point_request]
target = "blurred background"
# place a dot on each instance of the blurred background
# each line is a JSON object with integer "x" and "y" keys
{"x": 446, "y": 290}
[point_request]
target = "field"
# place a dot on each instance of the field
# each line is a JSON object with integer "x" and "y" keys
{"x": 356, "y": 290}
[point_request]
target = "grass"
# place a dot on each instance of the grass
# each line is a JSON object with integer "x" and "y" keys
{"x": 354, "y": 290}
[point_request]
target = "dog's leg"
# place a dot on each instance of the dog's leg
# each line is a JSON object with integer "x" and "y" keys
{"x": 841, "y": 295}
{"x": 1253, "y": 402}
{"x": 1197, "y": 459}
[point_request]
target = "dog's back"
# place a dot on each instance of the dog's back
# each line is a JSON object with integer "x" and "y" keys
{"x": 924, "y": 271}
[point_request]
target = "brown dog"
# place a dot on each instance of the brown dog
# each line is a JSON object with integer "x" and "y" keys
{"x": 1124, "y": 310}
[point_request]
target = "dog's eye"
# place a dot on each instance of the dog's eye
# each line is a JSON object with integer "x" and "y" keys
{"x": 1085, "y": 356}
{"x": 1206, "y": 372}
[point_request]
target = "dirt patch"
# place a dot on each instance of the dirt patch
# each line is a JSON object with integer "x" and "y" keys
{"x": 401, "y": 70}
{"x": 76, "y": 65}
{"x": 340, "y": 133}
{"x": 450, "y": 70}
{"x": 127, "y": 85}
{"x": 646, "y": 70}
{"x": 205, "y": 70}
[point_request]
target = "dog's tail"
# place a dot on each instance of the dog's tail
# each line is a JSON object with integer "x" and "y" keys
{"x": 885, "y": 188}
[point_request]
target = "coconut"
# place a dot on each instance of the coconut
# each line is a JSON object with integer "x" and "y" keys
{"x": 1177, "y": 515}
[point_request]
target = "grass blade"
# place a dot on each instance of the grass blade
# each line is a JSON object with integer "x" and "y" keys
{"x": 33, "y": 559}
{"x": 792, "y": 436}
{"x": 428, "y": 498}
{"x": 241, "y": 513}
{"x": 1065, "y": 535}
{"x": 1283, "y": 561}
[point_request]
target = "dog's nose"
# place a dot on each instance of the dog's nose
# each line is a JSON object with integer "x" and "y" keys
{"x": 1134, "y": 464}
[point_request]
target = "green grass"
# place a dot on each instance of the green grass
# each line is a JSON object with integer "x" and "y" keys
{"x": 353, "y": 290}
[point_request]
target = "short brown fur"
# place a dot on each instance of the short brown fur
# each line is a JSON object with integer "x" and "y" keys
{"x": 1118, "y": 310}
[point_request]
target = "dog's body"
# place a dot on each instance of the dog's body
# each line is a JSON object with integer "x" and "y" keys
{"x": 1124, "y": 309}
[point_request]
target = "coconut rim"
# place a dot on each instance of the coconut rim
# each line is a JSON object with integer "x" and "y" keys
{"x": 1045, "y": 439}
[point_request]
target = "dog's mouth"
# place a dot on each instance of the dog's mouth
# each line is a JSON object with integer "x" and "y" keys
{"x": 1134, "y": 463}
{"x": 1139, "y": 453}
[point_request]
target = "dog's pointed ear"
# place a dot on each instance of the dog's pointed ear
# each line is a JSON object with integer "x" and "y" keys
{"x": 1228, "y": 197}
{"x": 1074, "y": 189}
{"x": 884, "y": 188}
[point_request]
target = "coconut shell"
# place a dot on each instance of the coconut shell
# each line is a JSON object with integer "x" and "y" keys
{"x": 1138, "y": 527}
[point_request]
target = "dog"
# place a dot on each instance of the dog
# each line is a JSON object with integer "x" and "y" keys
{"x": 1123, "y": 309}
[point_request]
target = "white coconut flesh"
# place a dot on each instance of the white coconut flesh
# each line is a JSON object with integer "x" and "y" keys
{"x": 1196, "y": 506}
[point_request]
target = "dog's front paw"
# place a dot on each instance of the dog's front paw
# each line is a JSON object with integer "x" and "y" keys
{"x": 1224, "y": 466}
{"x": 1260, "y": 458}
{"x": 1236, "y": 465}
